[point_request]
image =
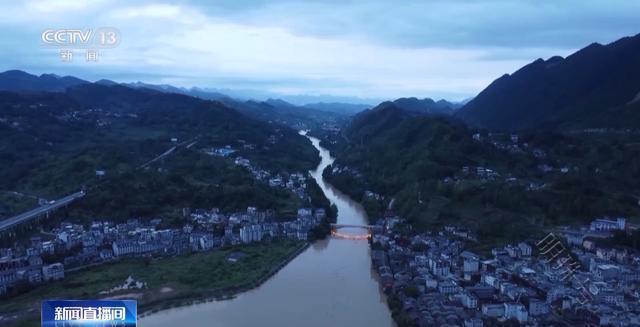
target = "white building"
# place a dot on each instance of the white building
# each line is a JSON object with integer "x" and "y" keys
{"x": 493, "y": 309}
{"x": 514, "y": 310}
{"x": 525, "y": 249}
{"x": 471, "y": 262}
{"x": 447, "y": 287}
{"x": 251, "y": 233}
{"x": 473, "y": 322}
{"x": 605, "y": 224}
{"x": 469, "y": 300}
{"x": 121, "y": 248}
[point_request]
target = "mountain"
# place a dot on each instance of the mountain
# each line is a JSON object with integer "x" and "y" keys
{"x": 106, "y": 82}
{"x": 272, "y": 110}
{"x": 52, "y": 144}
{"x": 390, "y": 114}
{"x": 439, "y": 171}
{"x": 194, "y": 91}
{"x": 423, "y": 106}
{"x": 590, "y": 88}
{"x": 17, "y": 80}
{"x": 338, "y": 107}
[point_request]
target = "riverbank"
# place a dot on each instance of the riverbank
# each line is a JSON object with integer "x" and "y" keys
{"x": 217, "y": 294}
{"x": 171, "y": 282}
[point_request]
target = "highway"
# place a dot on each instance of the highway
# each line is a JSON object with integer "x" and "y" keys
{"x": 31, "y": 214}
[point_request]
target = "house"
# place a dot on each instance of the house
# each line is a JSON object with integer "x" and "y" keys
{"x": 123, "y": 248}
{"x": 30, "y": 275}
{"x": 471, "y": 262}
{"x": 106, "y": 254}
{"x": 242, "y": 162}
{"x": 589, "y": 245}
{"x": 514, "y": 310}
{"x": 514, "y": 138}
{"x": 53, "y": 272}
{"x": 251, "y": 233}
{"x": 493, "y": 309}
{"x": 447, "y": 287}
{"x": 525, "y": 249}
{"x": 513, "y": 251}
{"x": 275, "y": 181}
{"x": 304, "y": 212}
{"x": 473, "y": 322}
{"x": 606, "y": 225}
{"x": 469, "y": 300}
{"x": 439, "y": 268}
{"x": 574, "y": 238}
{"x": 206, "y": 242}
{"x": 607, "y": 272}
{"x": 611, "y": 296}
{"x": 538, "y": 307}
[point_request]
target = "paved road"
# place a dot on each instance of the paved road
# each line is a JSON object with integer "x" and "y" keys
{"x": 166, "y": 153}
{"x": 26, "y": 216}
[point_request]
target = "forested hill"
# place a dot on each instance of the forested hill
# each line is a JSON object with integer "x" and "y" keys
{"x": 500, "y": 185}
{"x": 53, "y": 143}
{"x": 596, "y": 87}
{"x": 389, "y": 114}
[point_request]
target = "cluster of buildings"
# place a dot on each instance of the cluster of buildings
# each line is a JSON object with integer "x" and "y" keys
{"x": 20, "y": 267}
{"x": 480, "y": 172}
{"x": 294, "y": 182}
{"x": 437, "y": 282}
{"x": 74, "y": 245}
{"x": 224, "y": 152}
{"x": 509, "y": 142}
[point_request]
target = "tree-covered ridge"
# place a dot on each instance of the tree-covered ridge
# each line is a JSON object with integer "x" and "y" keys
{"x": 592, "y": 88}
{"x": 502, "y": 186}
{"x": 52, "y": 144}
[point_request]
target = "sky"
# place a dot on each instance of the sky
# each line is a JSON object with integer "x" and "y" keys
{"x": 351, "y": 51}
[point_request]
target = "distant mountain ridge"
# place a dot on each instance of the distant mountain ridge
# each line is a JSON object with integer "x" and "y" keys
{"x": 20, "y": 81}
{"x": 390, "y": 114}
{"x": 272, "y": 110}
{"x": 17, "y": 80}
{"x": 424, "y": 106}
{"x": 590, "y": 88}
{"x": 338, "y": 107}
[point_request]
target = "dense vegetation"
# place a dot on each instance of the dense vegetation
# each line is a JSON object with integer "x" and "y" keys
{"x": 419, "y": 160}
{"x": 52, "y": 144}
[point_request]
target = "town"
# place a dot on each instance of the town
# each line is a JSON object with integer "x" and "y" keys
{"x": 71, "y": 247}
{"x": 564, "y": 278}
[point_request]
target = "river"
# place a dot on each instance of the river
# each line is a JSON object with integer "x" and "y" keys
{"x": 330, "y": 284}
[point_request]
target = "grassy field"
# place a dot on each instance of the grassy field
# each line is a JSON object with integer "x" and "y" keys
{"x": 170, "y": 281}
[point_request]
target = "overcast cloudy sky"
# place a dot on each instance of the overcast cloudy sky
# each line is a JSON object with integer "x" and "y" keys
{"x": 372, "y": 49}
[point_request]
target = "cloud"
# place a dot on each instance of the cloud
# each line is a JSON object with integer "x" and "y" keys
{"x": 368, "y": 49}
